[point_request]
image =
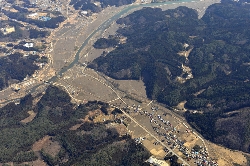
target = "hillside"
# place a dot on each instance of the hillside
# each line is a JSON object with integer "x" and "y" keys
{"x": 62, "y": 133}
{"x": 15, "y": 67}
{"x": 97, "y": 6}
{"x": 55, "y": 122}
{"x": 205, "y": 62}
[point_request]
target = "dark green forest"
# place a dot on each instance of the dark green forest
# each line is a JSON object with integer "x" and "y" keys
{"x": 17, "y": 67}
{"x": 22, "y": 16}
{"x": 102, "y": 43}
{"x": 90, "y": 6}
{"x": 20, "y": 32}
{"x": 55, "y": 115}
{"x": 219, "y": 60}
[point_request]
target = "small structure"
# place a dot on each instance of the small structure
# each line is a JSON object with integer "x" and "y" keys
{"x": 33, "y": 2}
{"x": 28, "y": 45}
{"x": 16, "y": 87}
{"x": 156, "y": 162}
{"x": 17, "y": 101}
{"x": 8, "y": 30}
{"x": 185, "y": 45}
{"x": 84, "y": 12}
{"x": 32, "y": 15}
{"x": 44, "y": 18}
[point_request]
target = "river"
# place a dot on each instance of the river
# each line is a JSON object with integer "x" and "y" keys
{"x": 101, "y": 28}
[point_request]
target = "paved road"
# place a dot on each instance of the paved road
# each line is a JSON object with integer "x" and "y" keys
{"x": 100, "y": 28}
{"x": 135, "y": 121}
{"x": 152, "y": 135}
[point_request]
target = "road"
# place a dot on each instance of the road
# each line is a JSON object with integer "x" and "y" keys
{"x": 135, "y": 121}
{"x": 126, "y": 114}
{"x": 152, "y": 135}
{"x": 101, "y": 28}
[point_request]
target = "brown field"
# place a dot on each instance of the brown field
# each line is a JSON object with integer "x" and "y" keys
{"x": 52, "y": 148}
{"x": 226, "y": 157}
{"x": 191, "y": 140}
{"x": 36, "y": 163}
{"x": 37, "y": 146}
{"x": 135, "y": 87}
{"x": 181, "y": 105}
{"x": 155, "y": 150}
{"x": 32, "y": 115}
{"x": 49, "y": 146}
{"x": 75, "y": 127}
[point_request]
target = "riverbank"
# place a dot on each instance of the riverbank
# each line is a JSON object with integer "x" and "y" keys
{"x": 74, "y": 39}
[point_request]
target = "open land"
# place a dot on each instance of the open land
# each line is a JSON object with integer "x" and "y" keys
{"x": 160, "y": 135}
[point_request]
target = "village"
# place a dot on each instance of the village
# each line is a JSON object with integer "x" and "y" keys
{"x": 158, "y": 129}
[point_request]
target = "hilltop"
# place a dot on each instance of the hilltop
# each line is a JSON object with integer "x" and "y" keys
{"x": 48, "y": 129}
{"x": 204, "y": 62}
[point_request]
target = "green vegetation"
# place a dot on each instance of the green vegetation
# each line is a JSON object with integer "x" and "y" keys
{"x": 88, "y": 5}
{"x": 197, "y": 148}
{"x": 34, "y": 33}
{"x": 173, "y": 159}
{"x": 3, "y": 49}
{"x": 219, "y": 60}
{"x": 20, "y": 32}
{"x": 15, "y": 67}
{"x": 116, "y": 3}
{"x": 43, "y": 59}
{"x": 52, "y": 23}
{"x": 91, "y": 144}
{"x": 24, "y": 157}
{"x": 106, "y": 43}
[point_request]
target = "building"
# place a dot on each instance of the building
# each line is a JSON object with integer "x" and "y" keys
{"x": 15, "y": 87}
{"x": 84, "y": 12}
{"x": 156, "y": 162}
{"x": 28, "y": 45}
{"x": 44, "y": 18}
{"x": 32, "y": 15}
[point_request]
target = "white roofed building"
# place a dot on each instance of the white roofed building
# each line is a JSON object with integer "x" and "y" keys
{"x": 32, "y": 15}
{"x": 28, "y": 45}
{"x": 156, "y": 162}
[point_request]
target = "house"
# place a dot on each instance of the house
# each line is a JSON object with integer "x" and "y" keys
{"x": 28, "y": 45}
{"x": 32, "y": 15}
{"x": 84, "y": 12}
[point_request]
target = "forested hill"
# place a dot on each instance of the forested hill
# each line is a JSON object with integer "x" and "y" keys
{"x": 98, "y": 5}
{"x": 215, "y": 76}
{"x": 88, "y": 143}
{"x": 15, "y": 67}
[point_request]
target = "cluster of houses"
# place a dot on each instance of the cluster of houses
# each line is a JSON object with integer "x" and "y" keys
{"x": 169, "y": 133}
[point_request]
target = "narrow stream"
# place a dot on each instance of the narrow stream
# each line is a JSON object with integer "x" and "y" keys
{"x": 101, "y": 28}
